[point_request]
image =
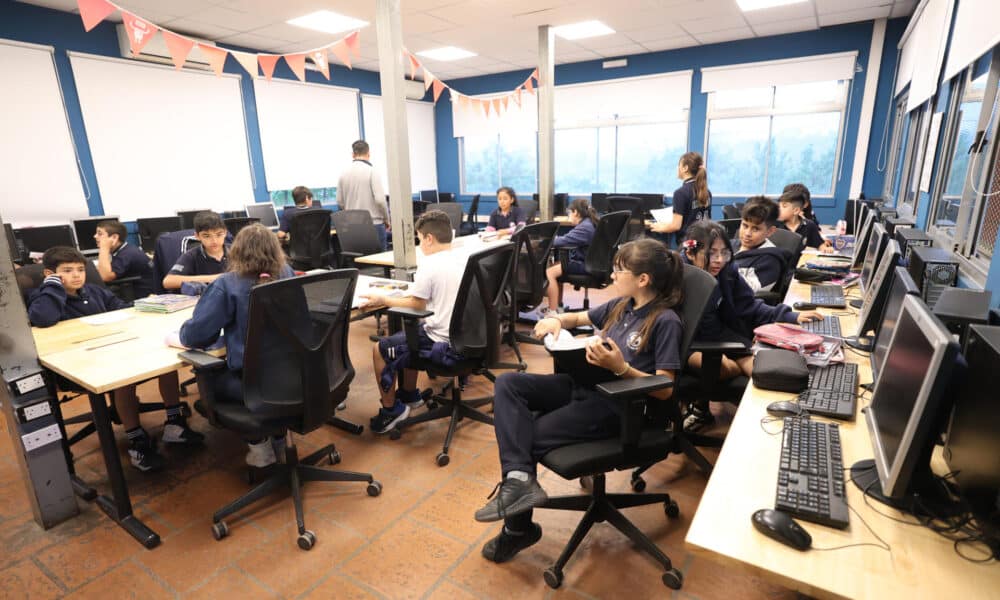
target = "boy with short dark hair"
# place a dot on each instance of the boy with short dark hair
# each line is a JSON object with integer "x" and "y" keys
{"x": 117, "y": 259}
{"x": 303, "y": 198}
{"x": 64, "y": 294}
{"x": 435, "y": 288}
{"x": 757, "y": 259}
{"x": 200, "y": 266}
{"x": 792, "y": 216}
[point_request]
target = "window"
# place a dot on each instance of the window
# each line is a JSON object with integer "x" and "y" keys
{"x": 584, "y": 160}
{"x": 327, "y": 196}
{"x": 506, "y": 159}
{"x": 760, "y": 139}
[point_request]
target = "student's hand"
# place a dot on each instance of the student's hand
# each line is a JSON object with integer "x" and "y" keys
{"x": 104, "y": 243}
{"x": 55, "y": 278}
{"x": 826, "y": 248}
{"x": 372, "y": 301}
{"x": 609, "y": 358}
{"x": 808, "y": 316}
{"x": 546, "y": 326}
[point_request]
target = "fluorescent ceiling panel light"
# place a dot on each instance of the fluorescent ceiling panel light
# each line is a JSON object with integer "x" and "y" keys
{"x": 328, "y": 22}
{"x": 446, "y": 53}
{"x": 748, "y": 5}
{"x": 579, "y": 31}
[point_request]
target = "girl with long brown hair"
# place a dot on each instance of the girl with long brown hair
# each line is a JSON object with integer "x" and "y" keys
{"x": 692, "y": 201}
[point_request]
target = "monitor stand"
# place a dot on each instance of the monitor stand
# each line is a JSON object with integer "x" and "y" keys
{"x": 926, "y": 493}
{"x": 864, "y": 344}
{"x": 857, "y": 303}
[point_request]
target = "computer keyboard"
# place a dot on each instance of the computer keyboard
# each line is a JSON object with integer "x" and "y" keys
{"x": 830, "y": 326}
{"x": 811, "y": 473}
{"x": 830, "y": 296}
{"x": 832, "y": 392}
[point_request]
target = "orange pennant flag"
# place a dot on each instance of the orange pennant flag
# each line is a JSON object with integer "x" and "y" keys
{"x": 428, "y": 79}
{"x": 506, "y": 101}
{"x": 353, "y": 42}
{"x": 247, "y": 61}
{"x": 216, "y": 57}
{"x": 319, "y": 59}
{"x": 463, "y": 101}
{"x": 178, "y": 46}
{"x": 93, "y": 12}
{"x": 298, "y": 64}
{"x": 496, "y": 106}
{"x": 517, "y": 96}
{"x": 340, "y": 50}
{"x": 414, "y": 63}
{"x": 267, "y": 64}
{"x": 527, "y": 86}
{"x": 486, "y": 106}
{"x": 140, "y": 31}
{"x": 534, "y": 75}
{"x": 438, "y": 88}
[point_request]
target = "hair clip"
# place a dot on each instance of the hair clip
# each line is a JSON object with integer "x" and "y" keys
{"x": 265, "y": 276}
{"x": 690, "y": 244}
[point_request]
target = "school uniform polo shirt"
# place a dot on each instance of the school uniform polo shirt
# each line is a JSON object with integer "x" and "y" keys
{"x": 197, "y": 262}
{"x": 131, "y": 261}
{"x": 662, "y": 352}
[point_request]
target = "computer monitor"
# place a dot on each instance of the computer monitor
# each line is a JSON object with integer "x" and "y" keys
{"x": 265, "y": 212}
{"x": 904, "y": 417}
{"x": 150, "y": 228}
{"x": 649, "y": 202}
{"x": 876, "y": 245}
{"x": 187, "y": 217}
{"x": 16, "y": 250}
{"x": 40, "y": 239}
{"x": 430, "y": 196}
{"x": 867, "y": 217}
{"x": 446, "y": 197}
{"x": 599, "y": 200}
{"x": 877, "y": 292}
{"x": 85, "y": 230}
{"x": 902, "y": 286}
{"x": 560, "y": 204}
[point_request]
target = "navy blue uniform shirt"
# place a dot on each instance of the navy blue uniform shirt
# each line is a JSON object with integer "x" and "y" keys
{"x": 500, "y": 221}
{"x": 131, "y": 261}
{"x": 662, "y": 351}
{"x": 285, "y": 221}
{"x": 197, "y": 262}
{"x": 686, "y": 205}
{"x": 50, "y": 303}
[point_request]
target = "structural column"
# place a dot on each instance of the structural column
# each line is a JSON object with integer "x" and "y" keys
{"x": 546, "y": 112}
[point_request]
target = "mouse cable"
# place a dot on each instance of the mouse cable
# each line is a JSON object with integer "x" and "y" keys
{"x": 883, "y": 545}
{"x": 768, "y": 419}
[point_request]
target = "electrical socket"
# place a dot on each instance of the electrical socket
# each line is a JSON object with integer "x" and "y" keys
{"x": 30, "y": 383}
{"x": 36, "y": 439}
{"x": 36, "y": 410}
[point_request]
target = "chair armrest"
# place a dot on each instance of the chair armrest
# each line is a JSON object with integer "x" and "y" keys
{"x": 201, "y": 360}
{"x": 563, "y": 256}
{"x": 206, "y": 367}
{"x": 410, "y": 313}
{"x": 769, "y": 297}
{"x": 124, "y": 287}
{"x": 632, "y": 395}
{"x": 411, "y": 325}
{"x": 715, "y": 347}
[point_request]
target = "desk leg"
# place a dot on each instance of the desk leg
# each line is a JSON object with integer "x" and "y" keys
{"x": 118, "y": 506}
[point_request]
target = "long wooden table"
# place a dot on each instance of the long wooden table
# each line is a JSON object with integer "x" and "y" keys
{"x": 921, "y": 563}
{"x": 465, "y": 243}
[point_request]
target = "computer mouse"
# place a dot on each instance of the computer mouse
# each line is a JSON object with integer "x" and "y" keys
{"x": 781, "y": 527}
{"x": 804, "y": 306}
{"x": 784, "y": 408}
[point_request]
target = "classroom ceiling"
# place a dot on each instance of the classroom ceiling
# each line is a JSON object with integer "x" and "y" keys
{"x": 503, "y": 33}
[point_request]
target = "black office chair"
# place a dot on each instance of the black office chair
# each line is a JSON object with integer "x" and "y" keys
{"x": 600, "y": 255}
{"x": 739, "y": 207}
{"x": 636, "y": 223}
{"x": 309, "y": 244}
{"x": 151, "y": 228}
{"x": 420, "y": 207}
{"x": 792, "y": 244}
{"x": 454, "y": 212}
{"x": 732, "y": 227}
{"x": 234, "y": 224}
{"x": 356, "y": 235}
{"x": 296, "y": 369}
{"x": 528, "y": 282}
{"x": 560, "y": 202}
{"x": 599, "y": 201}
{"x": 729, "y": 211}
{"x": 470, "y": 226}
{"x": 650, "y": 431}
{"x": 474, "y": 333}
{"x": 529, "y": 208}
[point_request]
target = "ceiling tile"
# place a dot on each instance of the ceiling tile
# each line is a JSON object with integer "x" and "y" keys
{"x": 832, "y": 6}
{"x": 232, "y": 19}
{"x": 412, "y": 6}
{"x": 602, "y": 41}
{"x": 659, "y": 32}
{"x": 293, "y": 33}
{"x": 784, "y": 13}
{"x": 679, "y": 41}
{"x": 418, "y": 23}
{"x": 253, "y": 41}
{"x": 851, "y": 16}
{"x": 727, "y": 35}
{"x": 903, "y": 9}
{"x": 718, "y": 23}
{"x": 617, "y": 51}
{"x": 780, "y": 27}
{"x": 202, "y": 30}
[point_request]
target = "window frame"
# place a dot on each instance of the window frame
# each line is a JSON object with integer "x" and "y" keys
{"x": 900, "y": 120}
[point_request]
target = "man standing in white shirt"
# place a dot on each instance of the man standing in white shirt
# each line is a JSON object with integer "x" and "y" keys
{"x": 360, "y": 188}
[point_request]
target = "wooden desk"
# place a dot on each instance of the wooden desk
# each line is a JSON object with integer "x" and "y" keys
{"x": 922, "y": 564}
{"x": 466, "y": 243}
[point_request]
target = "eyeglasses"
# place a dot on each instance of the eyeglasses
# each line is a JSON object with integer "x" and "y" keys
{"x": 720, "y": 256}
{"x": 619, "y": 270}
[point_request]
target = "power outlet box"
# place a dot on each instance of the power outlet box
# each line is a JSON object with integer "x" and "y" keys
{"x": 30, "y": 383}
{"x": 41, "y": 437}
{"x": 36, "y": 410}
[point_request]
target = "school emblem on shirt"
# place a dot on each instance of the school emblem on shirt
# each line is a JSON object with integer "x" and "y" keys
{"x": 634, "y": 341}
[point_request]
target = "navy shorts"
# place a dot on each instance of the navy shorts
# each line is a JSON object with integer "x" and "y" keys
{"x": 575, "y": 267}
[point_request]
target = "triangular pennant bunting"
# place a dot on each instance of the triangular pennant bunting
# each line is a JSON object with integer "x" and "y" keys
{"x": 267, "y": 64}
{"x": 428, "y": 79}
{"x": 247, "y": 61}
{"x": 463, "y": 101}
{"x": 298, "y": 64}
{"x": 486, "y": 106}
{"x": 340, "y": 51}
{"x": 93, "y": 12}
{"x": 216, "y": 57}
{"x": 438, "y": 88}
{"x": 414, "y": 65}
{"x": 517, "y": 96}
{"x": 139, "y": 30}
{"x": 496, "y": 106}
{"x": 354, "y": 43}
{"x": 178, "y": 46}
{"x": 506, "y": 101}
{"x": 319, "y": 59}
{"x": 527, "y": 86}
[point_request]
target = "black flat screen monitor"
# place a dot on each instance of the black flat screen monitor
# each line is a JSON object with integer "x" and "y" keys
{"x": 40, "y": 239}
{"x": 902, "y": 286}
{"x": 878, "y": 289}
{"x": 85, "y": 230}
{"x": 187, "y": 217}
{"x": 649, "y": 201}
{"x": 429, "y": 196}
{"x": 560, "y": 204}
{"x": 599, "y": 200}
{"x": 150, "y": 228}
{"x": 876, "y": 245}
{"x": 16, "y": 255}
{"x": 265, "y": 212}
{"x": 861, "y": 239}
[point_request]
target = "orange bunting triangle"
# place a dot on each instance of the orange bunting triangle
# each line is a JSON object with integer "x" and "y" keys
{"x": 428, "y": 79}
{"x": 267, "y": 64}
{"x": 178, "y": 46}
{"x": 353, "y": 42}
{"x": 463, "y": 101}
{"x": 247, "y": 61}
{"x": 298, "y": 64}
{"x": 140, "y": 31}
{"x": 527, "y": 86}
{"x": 340, "y": 51}
{"x": 438, "y": 88}
{"x": 506, "y": 101}
{"x": 496, "y": 106}
{"x": 517, "y": 96}
{"x": 414, "y": 64}
{"x": 534, "y": 75}
{"x": 216, "y": 57}
{"x": 93, "y": 12}
{"x": 319, "y": 59}
{"x": 486, "y": 106}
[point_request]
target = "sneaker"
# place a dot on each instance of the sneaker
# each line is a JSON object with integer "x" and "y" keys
{"x": 342, "y": 405}
{"x": 386, "y": 419}
{"x": 261, "y": 454}
{"x": 143, "y": 455}
{"x": 511, "y": 497}
{"x": 413, "y": 402}
{"x": 505, "y": 545}
{"x": 178, "y": 432}
{"x": 697, "y": 419}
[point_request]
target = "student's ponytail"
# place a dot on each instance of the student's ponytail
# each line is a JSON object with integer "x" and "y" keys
{"x": 581, "y": 207}
{"x": 695, "y": 165}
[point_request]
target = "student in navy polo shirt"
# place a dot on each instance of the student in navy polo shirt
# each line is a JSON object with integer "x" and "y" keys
{"x": 65, "y": 295}
{"x": 508, "y": 215}
{"x": 117, "y": 259}
{"x": 792, "y": 215}
{"x": 303, "y": 198}
{"x": 535, "y": 413}
{"x": 201, "y": 265}
{"x": 584, "y": 220}
{"x": 692, "y": 201}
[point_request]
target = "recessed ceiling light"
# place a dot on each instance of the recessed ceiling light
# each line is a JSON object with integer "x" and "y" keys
{"x": 578, "y": 31}
{"x": 446, "y": 53}
{"x": 328, "y": 22}
{"x": 747, "y": 5}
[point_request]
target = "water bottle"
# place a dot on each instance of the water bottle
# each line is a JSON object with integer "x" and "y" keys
{"x": 841, "y": 227}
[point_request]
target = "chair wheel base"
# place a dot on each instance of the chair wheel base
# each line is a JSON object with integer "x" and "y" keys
{"x": 220, "y": 530}
{"x": 395, "y": 433}
{"x": 673, "y": 579}
{"x": 554, "y": 578}
{"x": 673, "y": 511}
{"x": 587, "y": 482}
{"x": 374, "y": 489}
{"x": 307, "y": 540}
{"x": 443, "y": 459}
{"x": 335, "y": 458}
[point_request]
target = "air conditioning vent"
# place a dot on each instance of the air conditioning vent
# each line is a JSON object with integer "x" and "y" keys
{"x": 156, "y": 51}
{"x": 414, "y": 89}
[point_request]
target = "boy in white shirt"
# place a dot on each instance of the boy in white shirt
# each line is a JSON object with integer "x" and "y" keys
{"x": 435, "y": 288}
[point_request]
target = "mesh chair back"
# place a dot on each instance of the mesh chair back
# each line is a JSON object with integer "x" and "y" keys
{"x": 234, "y": 224}
{"x": 474, "y": 209}
{"x": 533, "y": 246}
{"x": 296, "y": 360}
{"x": 698, "y": 286}
{"x": 470, "y": 226}
{"x": 793, "y": 244}
{"x": 420, "y": 207}
{"x": 454, "y": 212}
{"x": 599, "y": 201}
{"x": 732, "y": 227}
{"x": 730, "y": 211}
{"x": 636, "y": 227}
{"x": 309, "y": 247}
{"x": 601, "y": 252}
{"x": 356, "y": 233}
{"x": 152, "y": 228}
{"x": 475, "y": 322}
{"x": 529, "y": 208}
{"x": 168, "y": 248}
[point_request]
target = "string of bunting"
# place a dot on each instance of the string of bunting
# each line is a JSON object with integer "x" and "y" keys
{"x": 497, "y": 104}
{"x": 140, "y": 31}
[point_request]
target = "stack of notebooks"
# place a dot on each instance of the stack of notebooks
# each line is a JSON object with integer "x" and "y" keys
{"x": 165, "y": 303}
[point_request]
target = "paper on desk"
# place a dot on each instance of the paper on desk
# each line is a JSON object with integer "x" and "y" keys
{"x": 566, "y": 341}
{"x": 173, "y": 339}
{"x": 108, "y": 317}
{"x": 663, "y": 215}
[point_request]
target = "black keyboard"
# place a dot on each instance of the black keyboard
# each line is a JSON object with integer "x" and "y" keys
{"x": 829, "y": 296}
{"x": 830, "y": 326}
{"x": 832, "y": 392}
{"x": 811, "y": 473}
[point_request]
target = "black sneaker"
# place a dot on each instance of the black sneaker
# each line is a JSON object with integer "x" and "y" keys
{"x": 176, "y": 431}
{"x": 511, "y": 497}
{"x": 505, "y": 545}
{"x": 142, "y": 452}
{"x": 697, "y": 419}
{"x": 386, "y": 419}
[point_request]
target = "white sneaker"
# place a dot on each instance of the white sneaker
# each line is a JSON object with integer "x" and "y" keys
{"x": 261, "y": 454}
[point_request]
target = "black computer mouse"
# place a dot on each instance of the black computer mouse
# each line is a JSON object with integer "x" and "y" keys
{"x": 784, "y": 408}
{"x": 804, "y": 306}
{"x": 779, "y": 526}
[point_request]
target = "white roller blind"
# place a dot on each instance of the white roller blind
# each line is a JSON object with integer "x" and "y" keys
{"x": 655, "y": 98}
{"x": 305, "y": 130}
{"x": 420, "y": 124}
{"x": 471, "y": 120}
{"x": 41, "y": 183}
{"x": 805, "y": 69}
{"x": 977, "y": 31}
{"x": 162, "y": 139}
{"x": 928, "y": 40}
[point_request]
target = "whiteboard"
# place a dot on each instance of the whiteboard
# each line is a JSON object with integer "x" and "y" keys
{"x": 41, "y": 183}
{"x": 163, "y": 140}
{"x": 423, "y": 152}
{"x": 306, "y": 132}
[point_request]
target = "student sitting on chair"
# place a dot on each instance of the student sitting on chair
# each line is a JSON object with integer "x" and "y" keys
{"x": 255, "y": 257}
{"x": 758, "y": 260}
{"x": 200, "y": 266}
{"x": 535, "y": 413}
{"x": 793, "y": 217}
{"x": 807, "y": 207}
{"x": 736, "y": 311}
{"x": 303, "y": 198}
{"x": 117, "y": 259}
{"x": 64, "y": 294}
{"x": 584, "y": 219}
{"x": 507, "y": 215}
{"x": 435, "y": 288}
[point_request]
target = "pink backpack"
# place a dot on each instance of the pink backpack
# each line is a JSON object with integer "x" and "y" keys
{"x": 788, "y": 336}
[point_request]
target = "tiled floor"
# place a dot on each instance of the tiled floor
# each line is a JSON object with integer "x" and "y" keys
{"x": 417, "y": 540}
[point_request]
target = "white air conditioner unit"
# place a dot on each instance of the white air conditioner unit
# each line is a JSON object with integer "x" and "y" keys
{"x": 413, "y": 89}
{"x": 156, "y": 50}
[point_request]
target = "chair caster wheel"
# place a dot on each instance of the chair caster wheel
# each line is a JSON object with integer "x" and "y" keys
{"x": 554, "y": 578}
{"x": 587, "y": 482}
{"x": 443, "y": 459}
{"x": 182, "y": 392}
{"x": 185, "y": 409}
{"x": 335, "y": 458}
{"x": 395, "y": 433}
{"x": 374, "y": 489}
{"x": 673, "y": 579}
{"x": 638, "y": 484}
{"x": 522, "y": 367}
{"x": 220, "y": 530}
{"x": 430, "y": 404}
{"x": 307, "y": 540}
{"x": 673, "y": 511}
